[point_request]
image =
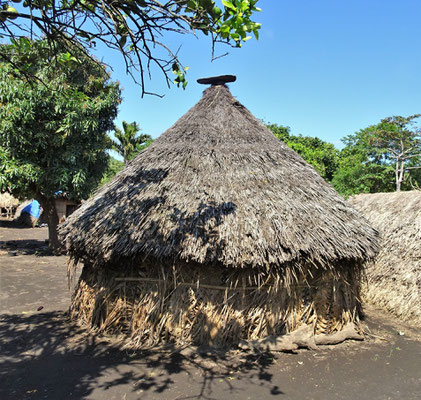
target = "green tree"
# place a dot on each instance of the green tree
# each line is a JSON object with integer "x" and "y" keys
{"x": 53, "y": 131}
{"x": 381, "y": 158}
{"x": 358, "y": 173}
{"x": 113, "y": 168}
{"x": 129, "y": 141}
{"x": 400, "y": 141}
{"x": 323, "y": 156}
{"x": 134, "y": 28}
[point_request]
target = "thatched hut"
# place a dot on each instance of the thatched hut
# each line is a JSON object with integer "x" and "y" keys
{"x": 394, "y": 277}
{"x": 8, "y": 205}
{"x": 217, "y": 232}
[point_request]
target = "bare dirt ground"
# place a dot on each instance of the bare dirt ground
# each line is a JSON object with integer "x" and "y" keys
{"x": 43, "y": 355}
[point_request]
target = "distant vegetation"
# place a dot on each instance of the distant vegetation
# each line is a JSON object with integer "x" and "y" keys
{"x": 323, "y": 156}
{"x": 114, "y": 167}
{"x": 128, "y": 143}
{"x": 385, "y": 157}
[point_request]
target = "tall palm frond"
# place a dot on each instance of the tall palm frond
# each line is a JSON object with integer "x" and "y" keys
{"x": 129, "y": 141}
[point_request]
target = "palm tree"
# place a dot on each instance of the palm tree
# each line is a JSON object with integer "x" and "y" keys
{"x": 129, "y": 141}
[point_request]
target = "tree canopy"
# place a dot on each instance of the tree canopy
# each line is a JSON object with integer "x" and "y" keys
{"x": 381, "y": 158}
{"x": 400, "y": 141}
{"x": 323, "y": 156}
{"x": 53, "y": 131}
{"x": 360, "y": 168}
{"x": 135, "y": 28}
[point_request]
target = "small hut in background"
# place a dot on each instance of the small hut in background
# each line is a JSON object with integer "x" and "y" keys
{"x": 65, "y": 207}
{"x": 394, "y": 277}
{"x": 217, "y": 232}
{"x": 8, "y": 205}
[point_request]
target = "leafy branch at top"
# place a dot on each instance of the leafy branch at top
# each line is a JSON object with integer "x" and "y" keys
{"x": 135, "y": 28}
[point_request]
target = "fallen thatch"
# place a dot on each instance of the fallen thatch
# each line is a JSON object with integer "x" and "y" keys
{"x": 394, "y": 277}
{"x": 217, "y": 232}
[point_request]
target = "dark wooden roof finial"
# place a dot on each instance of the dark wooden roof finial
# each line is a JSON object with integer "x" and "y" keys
{"x": 217, "y": 80}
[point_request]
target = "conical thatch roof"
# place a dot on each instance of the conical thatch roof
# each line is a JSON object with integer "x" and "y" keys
{"x": 218, "y": 188}
{"x": 394, "y": 277}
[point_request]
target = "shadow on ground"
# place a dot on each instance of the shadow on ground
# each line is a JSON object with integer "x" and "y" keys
{"x": 22, "y": 240}
{"x": 47, "y": 356}
{"x": 12, "y": 223}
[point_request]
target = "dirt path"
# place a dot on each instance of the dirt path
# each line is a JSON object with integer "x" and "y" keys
{"x": 45, "y": 356}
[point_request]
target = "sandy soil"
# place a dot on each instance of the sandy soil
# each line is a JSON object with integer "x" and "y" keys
{"x": 43, "y": 355}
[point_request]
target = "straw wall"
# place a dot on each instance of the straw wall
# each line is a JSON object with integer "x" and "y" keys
{"x": 394, "y": 277}
{"x": 213, "y": 306}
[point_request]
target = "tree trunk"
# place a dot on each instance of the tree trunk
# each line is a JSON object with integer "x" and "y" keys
{"x": 400, "y": 173}
{"x": 49, "y": 207}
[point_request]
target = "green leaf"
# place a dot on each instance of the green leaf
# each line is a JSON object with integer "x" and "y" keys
{"x": 216, "y": 12}
{"x": 192, "y": 5}
{"x": 229, "y": 5}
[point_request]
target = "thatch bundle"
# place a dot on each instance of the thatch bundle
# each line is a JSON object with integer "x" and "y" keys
{"x": 8, "y": 204}
{"x": 217, "y": 232}
{"x": 394, "y": 277}
{"x": 7, "y": 200}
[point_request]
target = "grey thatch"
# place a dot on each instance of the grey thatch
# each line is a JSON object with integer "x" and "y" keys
{"x": 394, "y": 277}
{"x": 225, "y": 234}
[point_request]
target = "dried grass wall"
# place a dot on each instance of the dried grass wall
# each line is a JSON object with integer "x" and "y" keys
{"x": 215, "y": 306}
{"x": 394, "y": 278}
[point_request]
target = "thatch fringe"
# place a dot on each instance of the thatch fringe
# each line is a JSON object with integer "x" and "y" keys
{"x": 394, "y": 277}
{"x": 166, "y": 307}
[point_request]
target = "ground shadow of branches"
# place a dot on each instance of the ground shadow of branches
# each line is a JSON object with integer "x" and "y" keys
{"x": 47, "y": 356}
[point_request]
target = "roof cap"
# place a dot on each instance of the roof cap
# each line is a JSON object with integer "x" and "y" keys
{"x": 217, "y": 80}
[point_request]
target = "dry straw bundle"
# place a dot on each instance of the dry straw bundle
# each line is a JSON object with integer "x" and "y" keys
{"x": 7, "y": 200}
{"x": 394, "y": 278}
{"x": 8, "y": 204}
{"x": 217, "y": 232}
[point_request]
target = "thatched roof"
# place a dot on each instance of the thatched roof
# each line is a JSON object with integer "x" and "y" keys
{"x": 218, "y": 188}
{"x": 394, "y": 278}
{"x": 7, "y": 200}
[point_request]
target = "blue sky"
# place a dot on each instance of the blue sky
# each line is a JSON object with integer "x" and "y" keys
{"x": 326, "y": 68}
